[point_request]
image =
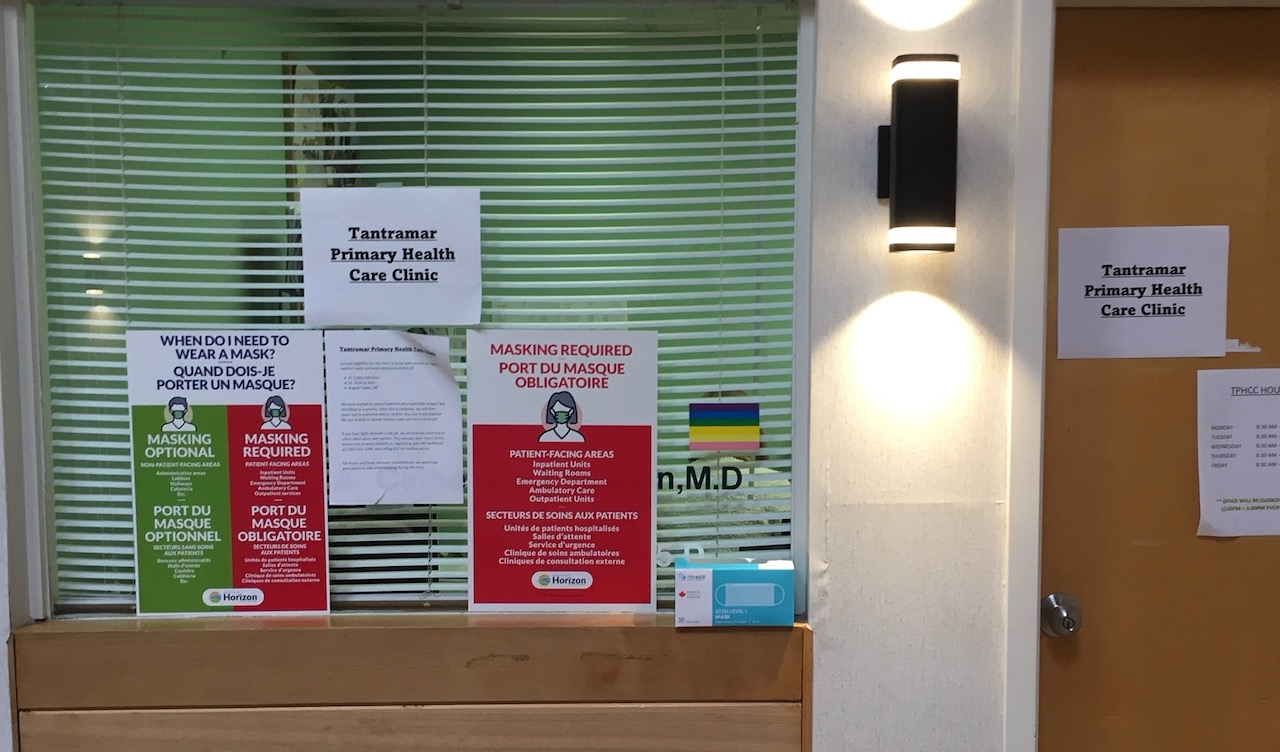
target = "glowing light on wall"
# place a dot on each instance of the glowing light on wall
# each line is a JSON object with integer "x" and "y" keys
{"x": 915, "y": 15}
{"x": 911, "y": 356}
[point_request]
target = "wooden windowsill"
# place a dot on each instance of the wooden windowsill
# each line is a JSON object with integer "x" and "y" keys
{"x": 389, "y": 620}
{"x": 374, "y": 659}
{"x": 411, "y": 683}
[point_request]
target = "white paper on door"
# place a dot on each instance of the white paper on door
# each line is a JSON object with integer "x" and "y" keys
{"x": 1142, "y": 292}
{"x": 1238, "y": 426}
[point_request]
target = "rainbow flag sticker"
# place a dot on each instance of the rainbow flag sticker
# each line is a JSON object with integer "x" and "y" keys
{"x": 717, "y": 426}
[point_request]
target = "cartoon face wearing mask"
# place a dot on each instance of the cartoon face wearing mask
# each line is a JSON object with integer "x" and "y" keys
{"x": 179, "y": 414}
{"x": 562, "y": 414}
{"x": 275, "y": 413}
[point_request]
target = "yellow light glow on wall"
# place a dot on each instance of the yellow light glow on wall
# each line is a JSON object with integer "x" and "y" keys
{"x": 915, "y": 15}
{"x": 911, "y": 356}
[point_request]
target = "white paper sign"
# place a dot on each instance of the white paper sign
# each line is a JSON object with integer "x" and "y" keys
{"x": 563, "y": 449}
{"x": 224, "y": 367}
{"x": 1238, "y": 422}
{"x": 1142, "y": 292}
{"x": 395, "y": 419}
{"x": 391, "y": 256}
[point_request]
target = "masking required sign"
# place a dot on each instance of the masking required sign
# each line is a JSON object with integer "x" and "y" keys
{"x": 228, "y": 469}
{"x": 563, "y": 456}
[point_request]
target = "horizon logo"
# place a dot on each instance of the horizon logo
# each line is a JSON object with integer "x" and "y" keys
{"x": 562, "y": 580}
{"x": 233, "y": 597}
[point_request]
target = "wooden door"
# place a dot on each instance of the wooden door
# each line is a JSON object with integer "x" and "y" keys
{"x": 1161, "y": 117}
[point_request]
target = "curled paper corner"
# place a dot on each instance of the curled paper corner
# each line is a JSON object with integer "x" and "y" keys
{"x": 1235, "y": 345}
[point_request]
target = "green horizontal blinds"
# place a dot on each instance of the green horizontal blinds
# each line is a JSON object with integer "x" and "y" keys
{"x": 636, "y": 167}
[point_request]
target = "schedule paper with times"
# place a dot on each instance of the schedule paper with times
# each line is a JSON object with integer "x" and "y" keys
{"x": 1238, "y": 417}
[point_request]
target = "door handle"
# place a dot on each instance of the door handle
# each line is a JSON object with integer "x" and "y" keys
{"x": 1060, "y": 615}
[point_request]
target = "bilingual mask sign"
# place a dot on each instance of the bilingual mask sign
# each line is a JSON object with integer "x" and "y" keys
{"x": 563, "y": 459}
{"x": 228, "y": 471}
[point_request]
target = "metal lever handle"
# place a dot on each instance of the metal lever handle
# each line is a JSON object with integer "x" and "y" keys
{"x": 1060, "y": 615}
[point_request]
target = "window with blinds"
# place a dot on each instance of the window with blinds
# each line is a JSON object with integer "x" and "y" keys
{"x": 636, "y": 167}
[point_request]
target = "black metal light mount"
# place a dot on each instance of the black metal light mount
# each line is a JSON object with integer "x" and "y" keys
{"x": 918, "y": 153}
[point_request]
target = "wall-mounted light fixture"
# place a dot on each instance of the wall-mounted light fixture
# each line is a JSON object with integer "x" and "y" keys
{"x": 918, "y": 153}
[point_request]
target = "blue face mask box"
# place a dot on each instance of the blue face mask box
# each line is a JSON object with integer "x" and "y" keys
{"x": 725, "y": 592}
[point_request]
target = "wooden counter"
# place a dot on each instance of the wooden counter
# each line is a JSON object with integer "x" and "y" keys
{"x": 406, "y": 682}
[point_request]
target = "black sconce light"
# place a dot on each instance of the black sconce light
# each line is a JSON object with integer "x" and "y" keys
{"x": 918, "y": 153}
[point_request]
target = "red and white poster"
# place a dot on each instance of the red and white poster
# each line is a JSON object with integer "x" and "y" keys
{"x": 278, "y": 503}
{"x": 563, "y": 449}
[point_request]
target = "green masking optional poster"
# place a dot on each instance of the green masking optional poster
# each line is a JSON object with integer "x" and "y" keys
{"x": 228, "y": 471}
{"x": 184, "y": 522}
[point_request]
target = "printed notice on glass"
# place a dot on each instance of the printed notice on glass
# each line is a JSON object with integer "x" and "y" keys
{"x": 391, "y": 256}
{"x": 1238, "y": 422}
{"x": 1142, "y": 292}
{"x": 563, "y": 458}
{"x": 228, "y": 471}
{"x": 395, "y": 419}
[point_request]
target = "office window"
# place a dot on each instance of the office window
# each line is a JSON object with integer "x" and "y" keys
{"x": 636, "y": 167}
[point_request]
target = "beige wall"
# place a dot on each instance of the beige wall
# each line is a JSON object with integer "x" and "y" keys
{"x": 910, "y": 401}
